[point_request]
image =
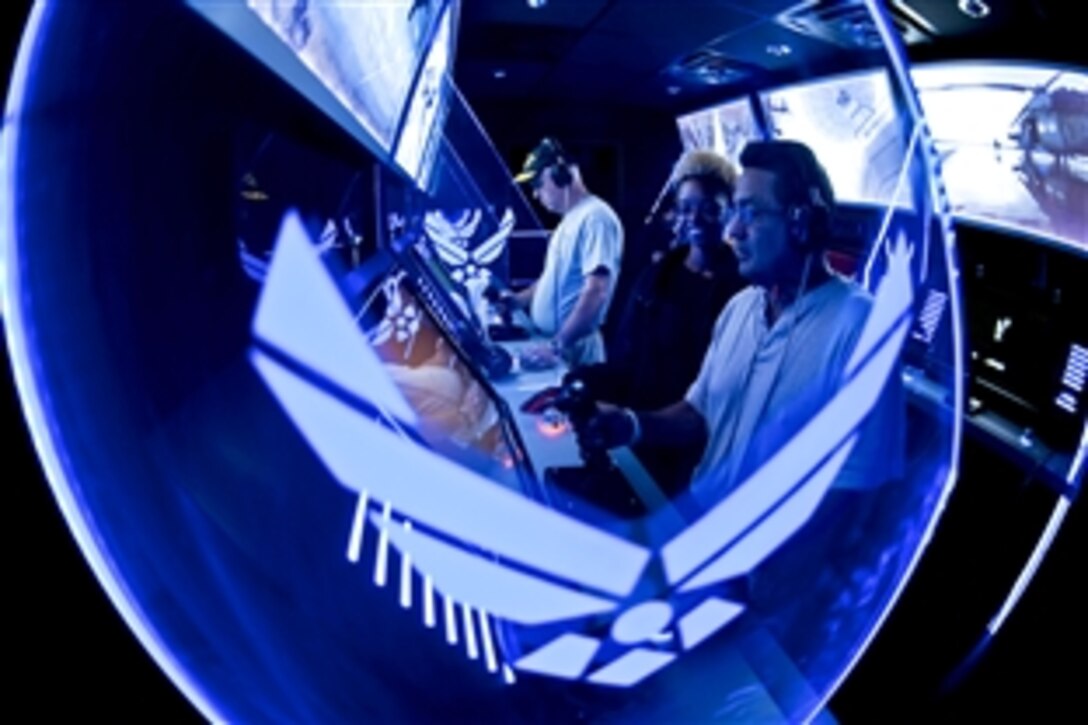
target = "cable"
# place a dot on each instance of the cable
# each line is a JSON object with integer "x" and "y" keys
{"x": 802, "y": 288}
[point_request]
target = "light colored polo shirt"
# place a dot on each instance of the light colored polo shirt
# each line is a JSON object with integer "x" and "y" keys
{"x": 759, "y": 384}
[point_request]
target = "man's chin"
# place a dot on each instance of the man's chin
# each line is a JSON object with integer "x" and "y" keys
{"x": 752, "y": 275}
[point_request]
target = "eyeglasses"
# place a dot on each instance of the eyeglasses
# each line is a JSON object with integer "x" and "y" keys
{"x": 747, "y": 214}
{"x": 707, "y": 211}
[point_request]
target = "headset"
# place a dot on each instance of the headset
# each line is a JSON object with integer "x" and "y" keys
{"x": 810, "y": 222}
{"x": 799, "y": 219}
{"x": 803, "y": 184}
{"x": 560, "y": 170}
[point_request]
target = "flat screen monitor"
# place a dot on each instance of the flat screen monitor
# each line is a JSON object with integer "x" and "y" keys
{"x": 420, "y": 257}
{"x": 365, "y": 53}
{"x": 1013, "y": 140}
{"x": 404, "y": 209}
{"x": 854, "y": 127}
{"x": 420, "y": 130}
{"x": 724, "y": 128}
{"x": 460, "y": 415}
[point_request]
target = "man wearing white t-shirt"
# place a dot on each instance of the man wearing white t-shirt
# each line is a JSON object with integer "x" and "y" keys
{"x": 570, "y": 299}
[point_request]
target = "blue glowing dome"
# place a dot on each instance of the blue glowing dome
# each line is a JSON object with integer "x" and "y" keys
{"x": 242, "y": 304}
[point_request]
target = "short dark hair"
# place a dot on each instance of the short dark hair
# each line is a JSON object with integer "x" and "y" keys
{"x": 801, "y": 185}
{"x": 800, "y": 179}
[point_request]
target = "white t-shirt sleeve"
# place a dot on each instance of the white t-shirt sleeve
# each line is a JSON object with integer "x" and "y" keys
{"x": 601, "y": 244}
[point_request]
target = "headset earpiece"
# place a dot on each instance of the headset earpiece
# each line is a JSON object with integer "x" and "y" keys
{"x": 561, "y": 173}
{"x": 560, "y": 170}
{"x": 809, "y": 224}
{"x": 800, "y": 226}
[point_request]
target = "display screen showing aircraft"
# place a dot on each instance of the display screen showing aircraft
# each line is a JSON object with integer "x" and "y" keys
{"x": 1022, "y": 162}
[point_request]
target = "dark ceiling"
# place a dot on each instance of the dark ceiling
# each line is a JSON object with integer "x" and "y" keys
{"x": 671, "y": 54}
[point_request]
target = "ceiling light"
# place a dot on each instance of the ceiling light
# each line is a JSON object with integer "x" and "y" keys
{"x": 976, "y": 9}
{"x": 779, "y": 50}
{"x": 536, "y": 4}
{"x": 499, "y": 73}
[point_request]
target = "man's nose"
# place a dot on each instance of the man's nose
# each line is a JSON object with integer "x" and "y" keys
{"x": 733, "y": 225}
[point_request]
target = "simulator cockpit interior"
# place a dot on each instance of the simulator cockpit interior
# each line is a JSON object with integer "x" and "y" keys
{"x": 555, "y": 360}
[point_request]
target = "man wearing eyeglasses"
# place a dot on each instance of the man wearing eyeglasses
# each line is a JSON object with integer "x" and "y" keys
{"x": 779, "y": 346}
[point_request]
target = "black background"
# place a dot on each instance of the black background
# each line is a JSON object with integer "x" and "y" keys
{"x": 69, "y": 653}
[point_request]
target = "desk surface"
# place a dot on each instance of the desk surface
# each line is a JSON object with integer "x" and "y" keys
{"x": 550, "y": 442}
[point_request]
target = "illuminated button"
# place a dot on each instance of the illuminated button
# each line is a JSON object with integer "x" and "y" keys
{"x": 552, "y": 426}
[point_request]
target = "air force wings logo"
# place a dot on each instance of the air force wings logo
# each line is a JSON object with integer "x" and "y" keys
{"x": 401, "y": 321}
{"x": 451, "y": 239}
{"x": 506, "y": 556}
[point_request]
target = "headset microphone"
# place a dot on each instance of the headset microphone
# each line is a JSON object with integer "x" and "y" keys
{"x": 663, "y": 192}
{"x": 658, "y": 201}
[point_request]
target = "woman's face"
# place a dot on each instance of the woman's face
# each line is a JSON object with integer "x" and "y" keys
{"x": 698, "y": 217}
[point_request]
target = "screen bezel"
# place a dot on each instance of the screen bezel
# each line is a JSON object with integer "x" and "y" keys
{"x": 466, "y": 341}
{"x": 423, "y": 167}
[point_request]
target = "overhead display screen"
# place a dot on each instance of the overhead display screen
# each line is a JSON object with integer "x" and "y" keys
{"x": 725, "y": 128}
{"x": 364, "y": 53}
{"x": 1013, "y": 141}
{"x": 417, "y": 142}
{"x": 851, "y": 123}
